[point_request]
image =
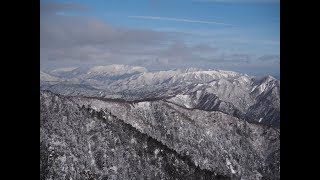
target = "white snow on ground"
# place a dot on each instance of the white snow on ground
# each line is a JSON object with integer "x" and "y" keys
{"x": 156, "y": 151}
{"x": 254, "y": 87}
{"x": 262, "y": 87}
{"x": 114, "y": 168}
{"x": 90, "y": 125}
{"x": 228, "y": 162}
{"x": 209, "y": 133}
{"x": 133, "y": 141}
{"x": 229, "y": 165}
{"x": 143, "y": 105}
{"x": 182, "y": 100}
{"x": 90, "y": 152}
{"x": 198, "y": 94}
{"x": 63, "y": 158}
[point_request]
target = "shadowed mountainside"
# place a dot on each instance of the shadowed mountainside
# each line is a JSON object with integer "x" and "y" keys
{"x": 81, "y": 143}
{"x": 152, "y": 140}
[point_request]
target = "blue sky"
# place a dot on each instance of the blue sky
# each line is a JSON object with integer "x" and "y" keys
{"x": 239, "y": 35}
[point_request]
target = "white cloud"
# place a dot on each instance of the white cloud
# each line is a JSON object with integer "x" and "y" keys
{"x": 83, "y": 41}
{"x": 178, "y": 20}
{"x": 239, "y": 1}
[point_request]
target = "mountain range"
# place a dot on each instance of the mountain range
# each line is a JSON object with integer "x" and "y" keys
{"x": 125, "y": 122}
{"x": 254, "y": 99}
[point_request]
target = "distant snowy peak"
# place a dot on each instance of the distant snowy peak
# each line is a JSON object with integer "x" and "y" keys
{"x": 67, "y": 72}
{"x": 63, "y": 69}
{"x": 150, "y": 78}
{"x": 230, "y": 92}
{"x": 123, "y": 77}
{"x": 206, "y": 76}
{"x": 141, "y": 73}
{"x": 47, "y": 78}
{"x": 264, "y": 84}
{"x": 265, "y": 79}
{"x": 116, "y": 69}
{"x": 192, "y": 69}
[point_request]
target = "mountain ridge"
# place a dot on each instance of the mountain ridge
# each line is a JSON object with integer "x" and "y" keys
{"x": 250, "y": 98}
{"x": 215, "y": 141}
{"x": 58, "y": 154}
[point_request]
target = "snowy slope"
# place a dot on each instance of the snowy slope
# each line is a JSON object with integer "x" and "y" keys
{"x": 47, "y": 77}
{"x": 214, "y": 140}
{"x": 245, "y": 97}
{"x": 115, "y": 69}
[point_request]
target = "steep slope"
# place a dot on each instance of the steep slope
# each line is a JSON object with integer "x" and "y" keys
{"x": 215, "y": 141}
{"x": 267, "y": 107}
{"x": 249, "y": 98}
{"x": 46, "y": 77}
{"x": 47, "y": 80}
{"x": 77, "y": 142}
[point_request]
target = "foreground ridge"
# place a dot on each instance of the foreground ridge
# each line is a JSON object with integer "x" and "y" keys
{"x": 98, "y": 134}
{"x": 106, "y": 147}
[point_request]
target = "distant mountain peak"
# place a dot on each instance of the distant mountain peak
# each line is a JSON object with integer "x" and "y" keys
{"x": 233, "y": 93}
{"x": 66, "y": 69}
{"x": 47, "y": 77}
{"x": 116, "y": 69}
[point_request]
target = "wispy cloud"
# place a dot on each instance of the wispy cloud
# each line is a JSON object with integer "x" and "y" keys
{"x": 272, "y": 57}
{"x": 239, "y": 1}
{"x": 178, "y": 20}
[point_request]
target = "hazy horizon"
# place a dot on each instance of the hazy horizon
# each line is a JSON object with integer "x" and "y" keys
{"x": 241, "y": 36}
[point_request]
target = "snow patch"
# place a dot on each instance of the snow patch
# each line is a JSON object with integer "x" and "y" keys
{"x": 262, "y": 87}
{"x": 209, "y": 133}
{"x": 63, "y": 159}
{"x": 143, "y": 105}
{"x": 254, "y": 87}
{"x": 198, "y": 94}
{"x": 183, "y": 100}
{"x": 229, "y": 165}
{"x": 90, "y": 126}
{"x": 156, "y": 151}
{"x": 114, "y": 168}
{"x": 133, "y": 141}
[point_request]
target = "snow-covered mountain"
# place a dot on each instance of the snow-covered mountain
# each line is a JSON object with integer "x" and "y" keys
{"x": 48, "y": 78}
{"x": 125, "y": 122}
{"x": 82, "y": 137}
{"x": 251, "y": 98}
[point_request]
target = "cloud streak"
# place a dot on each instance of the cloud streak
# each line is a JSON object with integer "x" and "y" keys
{"x": 178, "y": 20}
{"x": 239, "y": 1}
{"x": 69, "y": 41}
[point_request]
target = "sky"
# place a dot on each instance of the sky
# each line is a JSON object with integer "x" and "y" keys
{"x": 237, "y": 35}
